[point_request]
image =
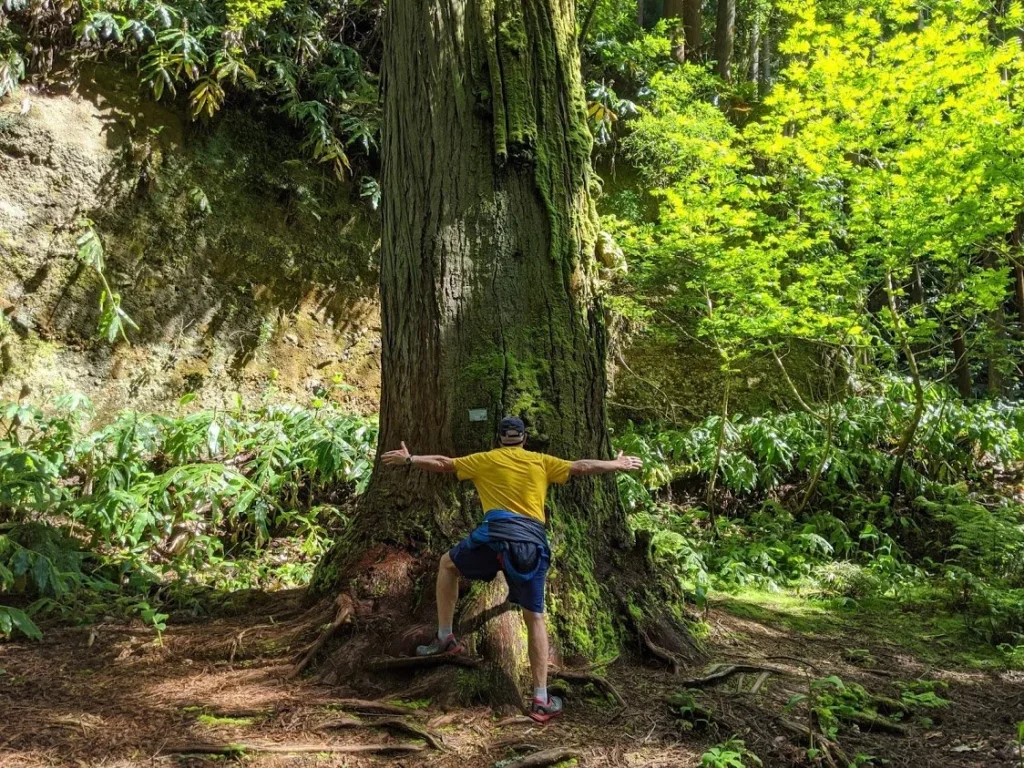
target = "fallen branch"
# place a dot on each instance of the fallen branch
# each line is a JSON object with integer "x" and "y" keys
{"x": 346, "y": 607}
{"x": 285, "y": 749}
{"x": 585, "y": 677}
{"x": 541, "y": 759}
{"x": 393, "y": 723}
{"x": 724, "y": 672}
{"x": 421, "y": 662}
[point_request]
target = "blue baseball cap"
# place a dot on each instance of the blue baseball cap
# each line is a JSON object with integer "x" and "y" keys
{"x": 511, "y": 431}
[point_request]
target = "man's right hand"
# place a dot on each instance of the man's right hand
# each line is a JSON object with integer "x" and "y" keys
{"x": 396, "y": 458}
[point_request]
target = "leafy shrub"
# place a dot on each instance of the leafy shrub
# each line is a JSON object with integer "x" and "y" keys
{"x": 190, "y": 500}
{"x": 846, "y": 539}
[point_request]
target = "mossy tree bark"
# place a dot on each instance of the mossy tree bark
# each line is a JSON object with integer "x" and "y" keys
{"x": 488, "y": 287}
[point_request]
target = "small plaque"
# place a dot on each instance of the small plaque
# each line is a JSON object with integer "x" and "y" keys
{"x": 478, "y": 414}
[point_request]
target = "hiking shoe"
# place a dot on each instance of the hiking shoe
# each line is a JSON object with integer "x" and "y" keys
{"x": 542, "y": 712}
{"x": 439, "y": 647}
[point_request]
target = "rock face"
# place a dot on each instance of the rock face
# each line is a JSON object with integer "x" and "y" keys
{"x": 244, "y": 269}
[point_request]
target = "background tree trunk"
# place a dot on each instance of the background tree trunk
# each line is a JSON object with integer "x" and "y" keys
{"x": 692, "y": 30}
{"x": 755, "y": 49}
{"x": 489, "y": 304}
{"x": 725, "y": 34}
{"x": 674, "y": 11}
{"x": 961, "y": 365}
{"x": 764, "y": 83}
{"x": 997, "y": 347}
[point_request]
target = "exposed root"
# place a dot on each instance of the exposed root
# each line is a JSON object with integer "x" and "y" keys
{"x": 285, "y": 749}
{"x": 759, "y": 682}
{"x": 720, "y": 672}
{"x": 660, "y": 653}
{"x": 516, "y": 720}
{"x": 392, "y": 723}
{"x": 346, "y": 607}
{"x": 544, "y": 758}
{"x": 889, "y": 706}
{"x": 422, "y": 662}
{"x": 868, "y": 722}
{"x": 364, "y": 705}
{"x": 585, "y": 677}
{"x": 801, "y": 736}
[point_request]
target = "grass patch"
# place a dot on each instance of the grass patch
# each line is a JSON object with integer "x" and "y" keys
{"x": 412, "y": 705}
{"x": 215, "y": 721}
{"x": 920, "y": 626}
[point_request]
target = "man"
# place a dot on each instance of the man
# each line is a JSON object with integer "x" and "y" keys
{"x": 512, "y": 484}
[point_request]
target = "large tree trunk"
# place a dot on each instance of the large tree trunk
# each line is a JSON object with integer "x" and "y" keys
{"x": 725, "y": 35}
{"x": 489, "y": 308}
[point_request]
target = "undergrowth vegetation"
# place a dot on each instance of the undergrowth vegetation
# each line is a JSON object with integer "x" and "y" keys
{"x": 151, "y": 509}
{"x": 804, "y": 506}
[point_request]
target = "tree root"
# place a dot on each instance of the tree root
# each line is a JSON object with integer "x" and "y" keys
{"x": 392, "y": 723}
{"x": 364, "y": 705}
{"x": 585, "y": 677}
{"x": 868, "y": 722}
{"x": 515, "y": 720}
{"x": 720, "y": 672}
{"x": 660, "y": 653}
{"x": 888, "y": 706}
{"x": 284, "y": 749}
{"x": 541, "y": 759}
{"x": 346, "y": 607}
{"x": 800, "y": 735}
{"x": 422, "y": 662}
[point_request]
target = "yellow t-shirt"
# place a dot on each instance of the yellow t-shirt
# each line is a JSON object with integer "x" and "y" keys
{"x": 513, "y": 478}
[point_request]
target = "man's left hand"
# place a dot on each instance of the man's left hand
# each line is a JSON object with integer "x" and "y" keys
{"x": 628, "y": 463}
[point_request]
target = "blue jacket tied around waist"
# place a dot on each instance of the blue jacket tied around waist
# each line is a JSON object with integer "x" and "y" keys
{"x": 521, "y": 539}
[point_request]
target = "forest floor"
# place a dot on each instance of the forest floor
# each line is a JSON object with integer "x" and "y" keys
{"x": 111, "y": 696}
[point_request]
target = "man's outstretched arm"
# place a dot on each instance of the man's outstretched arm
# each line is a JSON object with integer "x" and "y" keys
{"x": 402, "y": 458}
{"x": 620, "y": 463}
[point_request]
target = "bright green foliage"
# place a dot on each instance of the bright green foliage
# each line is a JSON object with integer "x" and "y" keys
{"x": 847, "y": 543}
{"x": 292, "y": 56}
{"x": 884, "y": 153}
{"x": 209, "y": 498}
{"x": 732, "y": 753}
{"x": 112, "y": 319}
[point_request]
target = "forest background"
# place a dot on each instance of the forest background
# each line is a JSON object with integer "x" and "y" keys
{"x": 810, "y": 261}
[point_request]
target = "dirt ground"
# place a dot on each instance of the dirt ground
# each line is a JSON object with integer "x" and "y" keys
{"x": 110, "y": 696}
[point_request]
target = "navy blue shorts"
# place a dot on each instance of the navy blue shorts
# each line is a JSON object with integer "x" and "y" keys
{"x": 480, "y": 562}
